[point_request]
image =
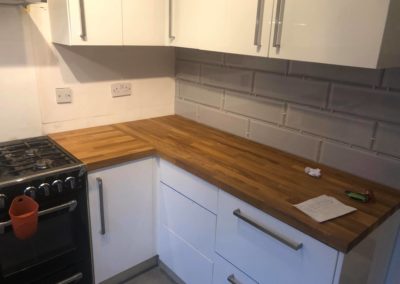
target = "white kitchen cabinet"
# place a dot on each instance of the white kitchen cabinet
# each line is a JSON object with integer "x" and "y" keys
{"x": 235, "y": 26}
{"x": 184, "y": 23}
{"x": 143, "y": 22}
{"x": 295, "y": 258}
{"x": 101, "y": 22}
{"x": 186, "y": 238}
{"x": 86, "y": 22}
{"x": 356, "y": 33}
{"x": 128, "y": 236}
{"x": 247, "y": 26}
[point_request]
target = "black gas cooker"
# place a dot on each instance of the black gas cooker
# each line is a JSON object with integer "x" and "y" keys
{"x": 60, "y": 250}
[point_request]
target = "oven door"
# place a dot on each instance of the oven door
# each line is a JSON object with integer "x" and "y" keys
{"x": 61, "y": 241}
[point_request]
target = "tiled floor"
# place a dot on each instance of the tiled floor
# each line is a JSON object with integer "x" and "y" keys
{"x": 153, "y": 276}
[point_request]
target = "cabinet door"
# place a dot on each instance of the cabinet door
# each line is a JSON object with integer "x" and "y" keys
{"x": 128, "y": 217}
{"x": 184, "y": 23}
{"x": 102, "y": 19}
{"x": 339, "y": 32}
{"x": 223, "y": 25}
{"x": 268, "y": 250}
{"x": 247, "y": 26}
{"x": 143, "y": 22}
{"x": 186, "y": 236}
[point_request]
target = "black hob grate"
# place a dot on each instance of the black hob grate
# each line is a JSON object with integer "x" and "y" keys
{"x": 29, "y": 156}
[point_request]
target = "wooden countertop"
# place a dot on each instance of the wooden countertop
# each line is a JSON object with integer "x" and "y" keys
{"x": 264, "y": 177}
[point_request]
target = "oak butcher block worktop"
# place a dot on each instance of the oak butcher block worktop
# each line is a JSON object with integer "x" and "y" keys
{"x": 103, "y": 146}
{"x": 264, "y": 177}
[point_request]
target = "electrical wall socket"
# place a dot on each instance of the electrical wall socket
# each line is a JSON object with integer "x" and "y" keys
{"x": 121, "y": 89}
{"x": 64, "y": 95}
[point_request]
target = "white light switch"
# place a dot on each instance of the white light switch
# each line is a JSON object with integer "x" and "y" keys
{"x": 121, "y": 89}
{"x": 64, "y": 95}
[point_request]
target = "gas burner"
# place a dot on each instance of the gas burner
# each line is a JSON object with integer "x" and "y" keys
{"x": 31, "y": 156}
{"x": 32, "y": 152}
{"x": 43, "y": 164}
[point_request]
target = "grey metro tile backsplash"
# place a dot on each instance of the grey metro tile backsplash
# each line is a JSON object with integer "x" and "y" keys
{"x": 344, "y": 117}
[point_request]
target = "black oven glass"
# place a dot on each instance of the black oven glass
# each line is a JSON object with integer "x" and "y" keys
{"x": 55, "y": 238}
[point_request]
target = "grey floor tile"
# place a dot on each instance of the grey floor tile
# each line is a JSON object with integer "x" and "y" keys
{"x": 153, "y": 276}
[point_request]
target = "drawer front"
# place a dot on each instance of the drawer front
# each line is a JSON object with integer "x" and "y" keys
{"x": 224, "y": 272}
{"x": 185, "y": 261}
{"x": 189, "y": 185}
{"x": 265, "y": 258}
{"x": 188, "y": 220}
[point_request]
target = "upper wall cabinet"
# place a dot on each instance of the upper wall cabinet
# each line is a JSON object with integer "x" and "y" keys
{"x": 86, "y": 22}
{"x": 364, "y": 33}
{"x": 143, "y": 22}
{"x": 101, "y": 22}
{"x": 235, "y": 26}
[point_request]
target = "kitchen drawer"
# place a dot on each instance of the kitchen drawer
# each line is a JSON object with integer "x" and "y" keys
{"x": 188, "y": 220}
{"x": 189, "y": 185}
{"x": 224, "y": 272}
{"x": 265, "y": 258}
{"x": 184, "y": 260}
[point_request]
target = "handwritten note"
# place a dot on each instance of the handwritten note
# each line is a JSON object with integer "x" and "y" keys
{"x": 323, "y": 208}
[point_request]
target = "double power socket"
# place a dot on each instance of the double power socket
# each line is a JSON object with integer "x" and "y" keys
{"x": 64, "y": 95}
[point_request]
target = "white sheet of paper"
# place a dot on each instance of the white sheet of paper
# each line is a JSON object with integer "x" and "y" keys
{"x": 323, "y": 208}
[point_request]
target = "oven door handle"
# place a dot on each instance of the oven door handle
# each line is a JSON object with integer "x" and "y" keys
{"x": 71, "y": 205}
{"x": 73, "y": 279}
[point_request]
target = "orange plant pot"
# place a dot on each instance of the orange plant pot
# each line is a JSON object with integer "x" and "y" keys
{"x": 24, "y": 216}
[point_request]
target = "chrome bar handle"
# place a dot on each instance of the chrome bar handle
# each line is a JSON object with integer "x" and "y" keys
{"x": 70, "y": 205}
{"x": 83, "y": 20}
{"x": 259, "y": 23}
{"x": 231, "y": 279}
{"x": 72, "y": 279}
{"x": 101, "y": 200}
{"x": 170, "y": 23}
{"x": 275, "y": 235}
{"x": 280, "y": 7}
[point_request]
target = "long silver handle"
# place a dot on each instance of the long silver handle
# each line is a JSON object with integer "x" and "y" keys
{"x": 259, "y": 22}
{"x": 170, "y": 23}
{"x": 83, "y": 19}
{"x": 101, "y": 200}
{"x": 280, "y": 7}
{"x": 275, "y": 235}
{"x": 73, "y": 278}
{"x": 71, "y": 205}
{"x": 231, "y": 279}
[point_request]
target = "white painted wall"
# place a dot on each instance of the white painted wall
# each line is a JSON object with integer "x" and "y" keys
{"x": 31, "y": 67}
{"x": 19, "y": 106}
{"x": 90, "y": 71}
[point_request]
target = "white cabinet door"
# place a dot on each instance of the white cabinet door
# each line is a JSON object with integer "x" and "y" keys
{"x": 247, "y": 26}
{"x": 128, "y": 217}
{"x": 186, "y": 238}
{"x": 289, "y": 257}
{"x": 184, "y": 23}
{"x": 102, "y": 19}
{"x": 143, "y": 22}
{"x": 338, "y": 32}
{"x": 86, "y": 22}
{"x": 223, "y": 25}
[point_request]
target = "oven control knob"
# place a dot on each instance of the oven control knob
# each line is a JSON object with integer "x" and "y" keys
{"x": 44, "y": 189}
{"x": 70, "y": 182}
{"x": 58, "y": 186}
{"x": 30, "y": 191}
